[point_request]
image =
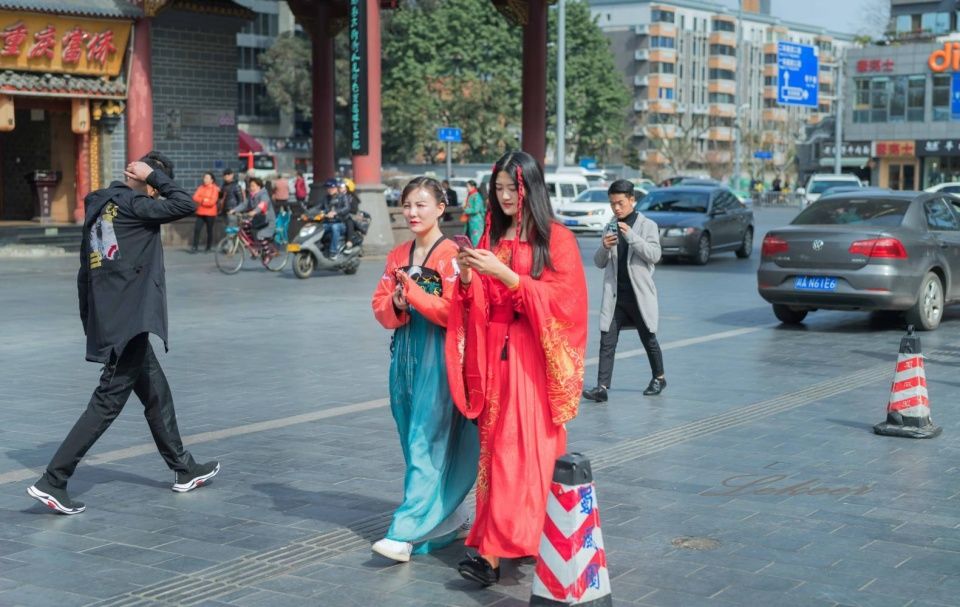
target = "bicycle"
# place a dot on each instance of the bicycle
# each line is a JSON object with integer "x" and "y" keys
{"x": 239, "y": 239}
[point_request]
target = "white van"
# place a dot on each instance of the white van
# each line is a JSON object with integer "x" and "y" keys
{"x": 564, "y": 187}
{"x": 821, "y": 183}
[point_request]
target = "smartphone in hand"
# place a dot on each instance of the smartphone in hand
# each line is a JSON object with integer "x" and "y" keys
{"x": 462, "y": 241}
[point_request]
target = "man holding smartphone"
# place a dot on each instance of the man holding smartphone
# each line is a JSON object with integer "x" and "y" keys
{"x": 628, "y": 252}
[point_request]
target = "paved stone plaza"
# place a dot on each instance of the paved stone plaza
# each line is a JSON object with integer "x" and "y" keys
{"x": 761, "y": 442}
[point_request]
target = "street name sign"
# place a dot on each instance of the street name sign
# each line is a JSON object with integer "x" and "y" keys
{"x": 798, "y": 74}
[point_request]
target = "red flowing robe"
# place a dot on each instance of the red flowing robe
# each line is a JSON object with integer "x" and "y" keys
{"x": 515, "y": 363}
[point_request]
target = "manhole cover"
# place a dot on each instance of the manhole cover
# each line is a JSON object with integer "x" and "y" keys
{"x": 695, "y": 543}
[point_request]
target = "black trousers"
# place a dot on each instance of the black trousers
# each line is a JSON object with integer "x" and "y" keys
{"x": 627, "y": 314}
{"x": 203, "y": 219}
{"x": 137, "y": 370}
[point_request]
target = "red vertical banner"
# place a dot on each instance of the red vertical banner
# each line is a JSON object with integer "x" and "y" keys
{"x": 83, "y": 173}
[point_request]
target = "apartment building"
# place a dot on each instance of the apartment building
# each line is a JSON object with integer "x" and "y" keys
{"x": 680, "y": 57}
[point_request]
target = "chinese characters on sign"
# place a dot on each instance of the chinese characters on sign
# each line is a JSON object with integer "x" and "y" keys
{"x": 938, "y": 147}
{"x": 893, "y": 148}
{"x": 874, "y": 65}
{"x": 358, "y": 77}
{"x": 847, "y": 149}
{"x": 53, "y": 43}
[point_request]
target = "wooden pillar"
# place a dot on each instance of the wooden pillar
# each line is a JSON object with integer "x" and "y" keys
{"x": 83, "y": 174}
{"x": 139, "y": 126}
{"x": 533, "y": 139}
{"x": 324, "y": 94}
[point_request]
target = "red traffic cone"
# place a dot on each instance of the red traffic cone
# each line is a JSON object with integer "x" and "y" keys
{"x": 908, "y": 413}
{"x": 572, "y": 564}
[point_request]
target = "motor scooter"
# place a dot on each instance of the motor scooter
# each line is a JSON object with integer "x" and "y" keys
{"x": 310, "y": 248}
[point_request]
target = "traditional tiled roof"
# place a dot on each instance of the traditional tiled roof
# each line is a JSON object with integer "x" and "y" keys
{"x": 121, "y": 9}
{"x": 65, "y": 85}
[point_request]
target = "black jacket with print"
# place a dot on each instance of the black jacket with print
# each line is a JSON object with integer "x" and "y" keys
{"x": 121, "y": 284}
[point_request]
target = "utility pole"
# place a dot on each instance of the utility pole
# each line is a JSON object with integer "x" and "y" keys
{"x": 561, "y": 82}
{"x": 736, "y": 100}
{"x": 838, "y": 127}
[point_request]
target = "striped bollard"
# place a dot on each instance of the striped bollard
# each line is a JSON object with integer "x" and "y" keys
{"x": 572, "y": 564}
{"x": 908, "y": 412}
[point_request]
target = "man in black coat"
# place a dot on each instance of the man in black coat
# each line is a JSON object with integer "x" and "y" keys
{"x": 122, "y": 294}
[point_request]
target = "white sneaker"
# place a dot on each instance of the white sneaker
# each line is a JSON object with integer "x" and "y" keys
{"x": 392, "y": 549}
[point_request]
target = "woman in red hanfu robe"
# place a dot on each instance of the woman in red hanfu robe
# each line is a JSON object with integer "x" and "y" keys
{"x": 516, "y": 338}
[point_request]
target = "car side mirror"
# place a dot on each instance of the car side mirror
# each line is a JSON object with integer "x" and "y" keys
{"x": 716, "y": 212}
{"x": 801, "y": 191}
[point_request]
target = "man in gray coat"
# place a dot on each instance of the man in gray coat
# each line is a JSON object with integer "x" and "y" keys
{"x": 629, "y": 250}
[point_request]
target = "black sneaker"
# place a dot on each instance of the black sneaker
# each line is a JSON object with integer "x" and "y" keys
{"x": 598, "y": 394}
{"x": 53, "y": 498}
{"x": 196, "y": 477}
{"x": 478, "y": 570}
{"x": 656, "y": 386}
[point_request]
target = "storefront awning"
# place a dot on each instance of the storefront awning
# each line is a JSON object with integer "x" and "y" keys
{"x": 856, "y": 162}
{"x": 119, "y": 9}
{"x": 34, "y": 84}
{"x": 246, "y": 143}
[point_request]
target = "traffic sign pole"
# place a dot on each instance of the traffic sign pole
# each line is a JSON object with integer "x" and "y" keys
{"x": 838, "y": 127}
{"x": 449, "y": 160}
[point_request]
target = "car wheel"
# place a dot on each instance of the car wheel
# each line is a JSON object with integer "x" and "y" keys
{"x": 702, "y": 255}
{"x": 788, "y": 315}
{"x": 746, "y": 248}
{"x": 927, "y": 312}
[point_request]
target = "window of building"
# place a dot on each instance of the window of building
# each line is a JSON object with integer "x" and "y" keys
{"x": 941, "y": 97}
{"x": 662, "y": 68}
{"x": 936, "y": 23}
{"x": 662, "y": 42}
{"x": 723, "y": 26}
{"x": 896, "y": 99}
{"x": 879, "y": 99}
{"x": 661, "y": 16}
{"x": 252, "y": 103}
{"x": 720, "y": 74}
{"x": 249, "y": 57}
{"x": 665, "y": 93}
{"x": 720, "y": 98}
{"x": 265, "y": 24}
{"x": 769, "y": 58}
{"x": 916, "y": 89}
{"x": 723, "y": 49}
{"x": 861, "y": 100}
{"x": 770, "y": 81}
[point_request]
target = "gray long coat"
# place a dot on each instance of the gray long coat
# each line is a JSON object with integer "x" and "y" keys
{"x": 644, "y": 252}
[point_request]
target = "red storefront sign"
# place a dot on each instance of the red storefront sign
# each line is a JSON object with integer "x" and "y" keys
{"x": 865, "y": 66}
{"x": 894, "y": 148}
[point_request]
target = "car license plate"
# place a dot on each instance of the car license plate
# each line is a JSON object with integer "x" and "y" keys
{"x": 571, "y": 222}
{"x": 815, "y": 283}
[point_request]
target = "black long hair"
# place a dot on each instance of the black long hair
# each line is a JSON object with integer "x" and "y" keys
{"x": 533, "y": 202}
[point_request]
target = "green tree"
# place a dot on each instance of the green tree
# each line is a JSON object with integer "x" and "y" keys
{"x": 286, "y": 73}
{"x": 450, "y": 64}
{"x": 597, "y": 98}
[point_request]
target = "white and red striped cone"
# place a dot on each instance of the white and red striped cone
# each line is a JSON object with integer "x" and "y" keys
{"x": 908, "y": 413}
{"x": 572, "y": 564}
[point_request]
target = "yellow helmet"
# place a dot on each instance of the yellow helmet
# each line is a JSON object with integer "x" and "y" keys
{"x": 351, "y": 186}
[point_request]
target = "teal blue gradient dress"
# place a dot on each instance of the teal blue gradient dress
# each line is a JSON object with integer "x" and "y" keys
{"x": 440, "y": 446}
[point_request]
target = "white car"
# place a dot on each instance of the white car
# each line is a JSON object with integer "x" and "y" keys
{"x": 459, "y": 185}
{"x": 950, "y": 187}
{"x": 590, "y": 211}
{"x": 821, "y": 182}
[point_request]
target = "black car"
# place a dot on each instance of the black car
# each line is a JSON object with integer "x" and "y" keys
{"x": 697, "y": 220}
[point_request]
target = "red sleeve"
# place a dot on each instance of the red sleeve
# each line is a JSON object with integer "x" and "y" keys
{"x": 466, "y": 347}
{"x": 383, "y": 308}
{"x": 556, "y": 305}
{"x": 262, "y": 207}
{"x": 435, "y": 308}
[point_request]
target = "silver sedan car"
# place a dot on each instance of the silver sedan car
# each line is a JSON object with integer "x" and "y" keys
{"x": 874, "y": 250}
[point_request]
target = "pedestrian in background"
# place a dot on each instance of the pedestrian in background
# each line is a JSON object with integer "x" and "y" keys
{"x": 627, "y": 255}
{"x": 300, "y": 188}
{"x": 231, "y": 194}
{"x": 206, "y": 198}
{"x": 450, "y": 193}
{"x": 121, "y": 287}
{"x": 281, "y": 191}
{"x": 439, "y": 445}
{"x": 515, "y": 353}
{"x": 259, "y": 207}
{"x": 475, "y": 210}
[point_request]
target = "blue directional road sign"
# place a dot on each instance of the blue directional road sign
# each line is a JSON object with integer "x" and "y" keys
{"x": 798, "y": 74}
{"x": 763, "y": 155}
{"x": 451, "y": 134}
{"x": 955, "y": 96}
